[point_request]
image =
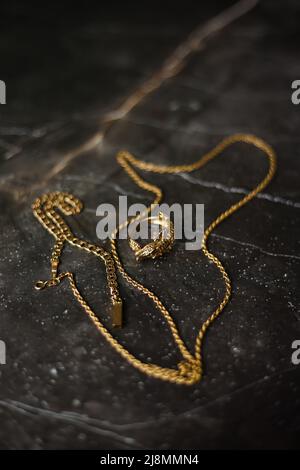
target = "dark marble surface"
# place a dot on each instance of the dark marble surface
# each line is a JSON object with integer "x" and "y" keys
{"x": 68, "y": 72}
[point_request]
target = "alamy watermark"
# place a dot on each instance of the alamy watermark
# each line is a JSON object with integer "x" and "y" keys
{"x": 296, "y": 354}
{"x": 2, "y": 92}
{"x": 2, "y": 352}
{"x": 187, "y": 219}
{"x": 295, "y": 97}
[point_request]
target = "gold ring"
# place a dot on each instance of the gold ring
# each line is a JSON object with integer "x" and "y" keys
{"x": 162, "y": 242}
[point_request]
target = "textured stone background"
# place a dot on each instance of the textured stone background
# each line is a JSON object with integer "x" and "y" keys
{"x": 68, "y": 74}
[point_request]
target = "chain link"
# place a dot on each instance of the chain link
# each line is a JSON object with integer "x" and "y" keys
{"x": 190, "y": 369}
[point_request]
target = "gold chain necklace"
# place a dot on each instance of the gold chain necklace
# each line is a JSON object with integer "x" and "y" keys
{"x": 190, "y": 369}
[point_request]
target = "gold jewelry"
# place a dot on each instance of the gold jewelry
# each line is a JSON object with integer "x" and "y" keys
{"x": 44, "y": 210}
{"x": 190, "y": 369}
{"x": 162, "y": 243}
